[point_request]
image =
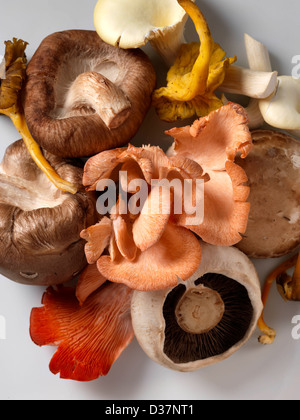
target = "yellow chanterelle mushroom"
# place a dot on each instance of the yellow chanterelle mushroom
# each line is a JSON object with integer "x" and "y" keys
{"x": 198, "y": 71}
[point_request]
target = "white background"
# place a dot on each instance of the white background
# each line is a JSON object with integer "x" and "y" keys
{"x": 255, "y": 371}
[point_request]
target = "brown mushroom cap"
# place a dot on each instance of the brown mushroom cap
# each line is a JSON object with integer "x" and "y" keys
{"x": 40, "y": 225}
{"x": 83, "y": 96}
{"x": 273, "y": 170}
{"x": 203, "y": 320}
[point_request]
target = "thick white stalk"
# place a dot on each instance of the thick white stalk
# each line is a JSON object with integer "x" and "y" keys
{"x": 251, "y": 83}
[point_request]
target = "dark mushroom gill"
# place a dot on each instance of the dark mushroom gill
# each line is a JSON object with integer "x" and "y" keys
{"x": 183, "y": 347}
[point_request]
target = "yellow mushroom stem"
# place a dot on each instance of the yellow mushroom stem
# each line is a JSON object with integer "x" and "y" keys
{"x": 19, "y": 122}
{"x": 200, "y": 71}
{"x": 289, "y": 287}
{"x": 269, "y": 334}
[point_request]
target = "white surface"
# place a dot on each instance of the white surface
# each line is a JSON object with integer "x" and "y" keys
{"x": 255, "y": 371}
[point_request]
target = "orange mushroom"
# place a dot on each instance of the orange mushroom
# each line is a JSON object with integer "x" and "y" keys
{"x": 288, "y": 287}
{"x": 151, "y": 248}
{"x": 214, "y": 142}
{"x": 91, "y": 333}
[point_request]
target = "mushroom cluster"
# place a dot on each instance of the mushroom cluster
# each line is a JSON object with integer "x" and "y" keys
{"x": 150, "y": 248}
{"x": 175, "y": 275}
{"x": 77, "y": 96}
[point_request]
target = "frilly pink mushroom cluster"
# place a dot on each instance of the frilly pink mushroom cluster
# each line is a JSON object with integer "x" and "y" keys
{"x": 152, "y": 249}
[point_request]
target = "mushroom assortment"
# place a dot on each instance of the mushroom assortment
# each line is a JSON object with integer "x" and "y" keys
{"x": 187, "y": 291}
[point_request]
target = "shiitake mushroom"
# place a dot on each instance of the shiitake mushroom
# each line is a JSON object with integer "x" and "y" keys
{"x": 40, "y": 225}
{"x": 83, "y": 96}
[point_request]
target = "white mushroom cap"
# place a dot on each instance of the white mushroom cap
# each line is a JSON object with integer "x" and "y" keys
{"x": 282, "y": 108}
{"x": 131, "y": 24}
{"x": 147, "y": 308}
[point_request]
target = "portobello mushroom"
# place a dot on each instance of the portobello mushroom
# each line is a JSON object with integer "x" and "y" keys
{"x": 273, "y": 170}
{"x": 203, "y": 320}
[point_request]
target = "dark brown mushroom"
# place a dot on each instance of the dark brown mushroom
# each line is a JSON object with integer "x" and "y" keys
{"x": 273, "y": 170}
{"x": 83, "y": 96}
{"x": 40, "y": 225}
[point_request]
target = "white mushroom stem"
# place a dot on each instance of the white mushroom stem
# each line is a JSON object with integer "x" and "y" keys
{"x": 168, "y": 42}
{"x": 93, "y": 90}
{"x": 281, "y": 110}
{"x": 26, "y": 195}
{"x": 258, "y": 60}
{"x": 254, "y": 84}
{"x": 255, "y": 118}
{"x": 199, "y": 310}
{"x": 257, "y": 54}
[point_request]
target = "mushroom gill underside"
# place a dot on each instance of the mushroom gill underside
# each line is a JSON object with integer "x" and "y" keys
{"x": 203, "y": 320}
{"x": 93, "y": 91}
{"x": 183, "y": 345}
{"x": 85, "y": 87}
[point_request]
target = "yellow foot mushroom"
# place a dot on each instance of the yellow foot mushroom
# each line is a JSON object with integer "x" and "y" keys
{"x": 10, "y": 105}
{"x": 198, "y": 71}
{"x": 288, "y": 287}
{"x": 203, "y": 320}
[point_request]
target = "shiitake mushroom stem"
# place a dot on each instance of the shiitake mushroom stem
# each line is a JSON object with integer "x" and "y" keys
{"x": 284, "y": 283}
{"x": 106, "y": 98}
{"x": 35, "y": 152}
